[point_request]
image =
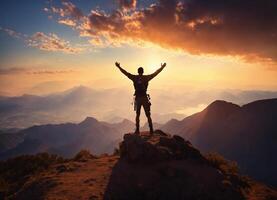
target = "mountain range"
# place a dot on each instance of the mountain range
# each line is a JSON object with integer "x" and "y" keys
{"x": 245, "y": 134}
{"x": 111, "y": 105}
{"x": 72, "y": 105}
{"x": 65, "y": 139}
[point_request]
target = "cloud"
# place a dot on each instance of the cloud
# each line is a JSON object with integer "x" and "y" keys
{"x": 31, "y": 71}
{"x": 67, "y": 22}
{"x": 127, "y": 4}
{"x": 69, "y": 9}
{"x": 72, "y": 10}
{"x": 46, "y": 42}
{"x": 12, "y": 33}
{"x": 13, "y": 70}
{"x": 247, "y": 29}
{"x": 52, "y": 42}
{"x": 51, "y": 72}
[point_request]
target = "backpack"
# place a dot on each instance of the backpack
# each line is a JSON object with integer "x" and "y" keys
{"x": 140, "y": 86}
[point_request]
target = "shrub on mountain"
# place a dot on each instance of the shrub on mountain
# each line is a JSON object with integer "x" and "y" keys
{"x": 83, "y": 156}
{"x": 229, "y": 168}
{"x": 224, "y": 165}
{"x": 14, "y": 172}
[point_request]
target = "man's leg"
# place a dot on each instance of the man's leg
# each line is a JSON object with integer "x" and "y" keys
{"x": 137, "y": 117}
{"x": 146, "y": 107}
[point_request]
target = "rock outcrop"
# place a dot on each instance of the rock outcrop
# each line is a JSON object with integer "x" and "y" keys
{"x": 159, "y": 147}
{"x": 166, "y": 167}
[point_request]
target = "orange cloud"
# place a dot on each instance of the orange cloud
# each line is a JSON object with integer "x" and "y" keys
{"x": 236, "y": 28}
{"x": 42, "y": 41}
{"x": 67, "y": 22}
{"x": 52, "y": 42}
{"x": 69, "y": 9}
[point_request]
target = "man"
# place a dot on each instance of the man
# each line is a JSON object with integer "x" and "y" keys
{"x": 140, "y": 82}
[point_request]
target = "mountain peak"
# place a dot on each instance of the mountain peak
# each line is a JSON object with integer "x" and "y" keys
{"x": 221, "y": 103}
{"x": 81, "y": 87}
{"x": 78, "y": 90}
{"x": 126, "y": 121}
{"x": 173, "y": 121}
{"x": 89, "y": 120}
{"x": 221, "y": 109}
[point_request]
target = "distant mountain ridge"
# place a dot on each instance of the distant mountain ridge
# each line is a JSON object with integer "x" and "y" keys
{"x": 69, "y": 138}
{"x": 246, "y": 134}
{"x": 74, "y": 104}
{"x": 71, "y": 105}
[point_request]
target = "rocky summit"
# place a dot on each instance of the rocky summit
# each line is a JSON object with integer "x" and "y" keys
{"x": 167, "y": 167}
{"x": 156, "y": 148}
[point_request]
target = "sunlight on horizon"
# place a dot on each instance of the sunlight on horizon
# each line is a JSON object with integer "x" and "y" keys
{"x": 191, "y": 110}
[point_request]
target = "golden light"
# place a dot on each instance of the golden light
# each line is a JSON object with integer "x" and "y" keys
{"x": 152, "y": 62}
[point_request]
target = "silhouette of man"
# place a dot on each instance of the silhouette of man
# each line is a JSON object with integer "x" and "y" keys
{"x": 140, "y": 82}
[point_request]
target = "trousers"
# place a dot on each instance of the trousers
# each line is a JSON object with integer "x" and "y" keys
{"x": 143, "y": 101}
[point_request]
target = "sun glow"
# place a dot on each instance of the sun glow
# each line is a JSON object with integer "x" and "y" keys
{"x": 152, "y": 61}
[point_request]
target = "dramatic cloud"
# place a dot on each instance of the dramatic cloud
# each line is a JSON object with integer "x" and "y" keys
{"x": 247, "y": 29}
{"x": 51, "y": 42}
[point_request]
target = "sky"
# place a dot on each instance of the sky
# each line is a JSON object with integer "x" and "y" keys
{"x": 54, "y": 45}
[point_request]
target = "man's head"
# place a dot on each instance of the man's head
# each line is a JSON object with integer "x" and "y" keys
{"x": 140, "y": 70}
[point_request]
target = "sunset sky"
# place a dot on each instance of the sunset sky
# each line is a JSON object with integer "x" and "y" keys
{"x": 50, "y": 46}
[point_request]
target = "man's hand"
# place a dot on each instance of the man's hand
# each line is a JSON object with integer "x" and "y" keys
{"x": 163, "y": 65}
{"x": 117, "y": 64}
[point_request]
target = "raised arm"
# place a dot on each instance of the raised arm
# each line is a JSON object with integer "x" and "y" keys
{"x": 157, "y": 72}
{"x": 129, "y": 75}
